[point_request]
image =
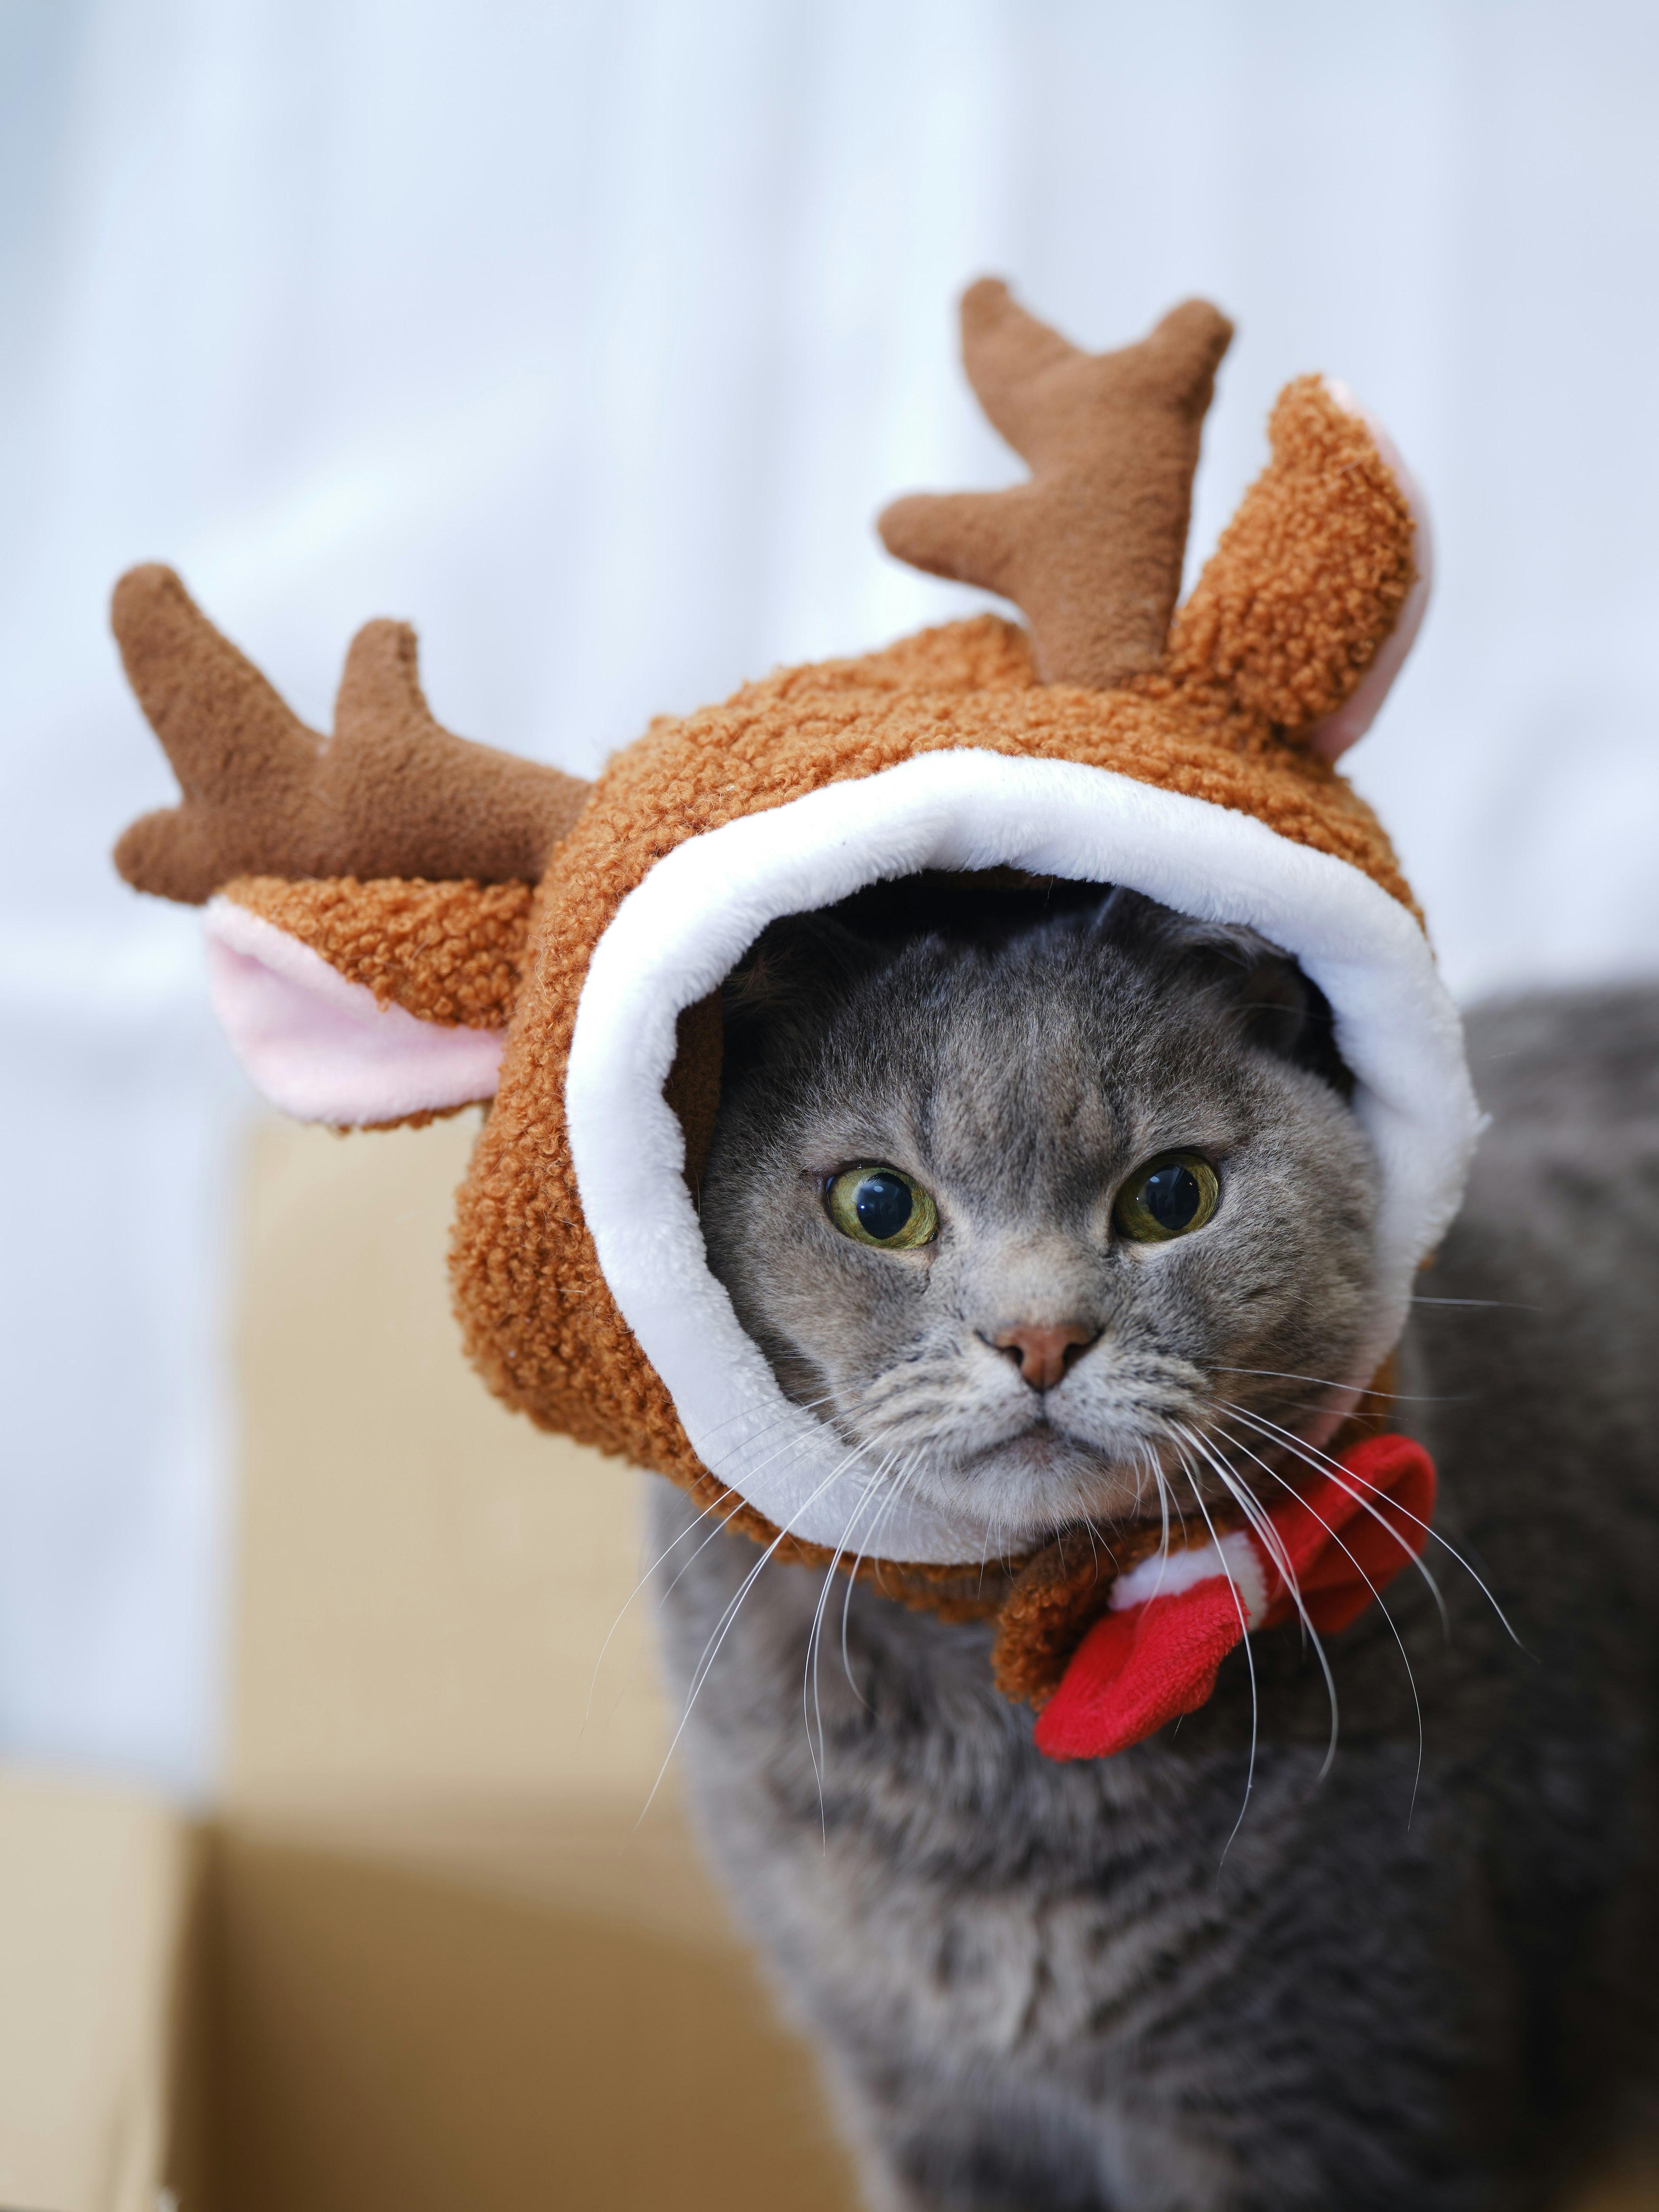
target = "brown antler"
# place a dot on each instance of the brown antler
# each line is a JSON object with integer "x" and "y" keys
{"x": 391, "y": 793}
{"x": 1090, "y": 548}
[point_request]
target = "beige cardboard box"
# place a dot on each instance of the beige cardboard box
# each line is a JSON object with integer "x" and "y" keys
{"x": 427, "y": 1954}
{"x": 427, "y": 1957}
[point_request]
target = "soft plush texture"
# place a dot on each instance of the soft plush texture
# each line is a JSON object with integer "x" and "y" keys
{"x": 321, "y": 1048}
{"x": 1195, "y": 766}
{"x": 445, "y": 952}
{"x": 391, "y": 793}
{"x": 687, "y": 924}
{"x": 1091, "y": 546}
{"x": 1321, "y": 554}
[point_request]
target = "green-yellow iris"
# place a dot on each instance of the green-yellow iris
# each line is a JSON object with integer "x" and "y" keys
{"x": 882, "y": 1206}
{"x": 1169, "y": 1196}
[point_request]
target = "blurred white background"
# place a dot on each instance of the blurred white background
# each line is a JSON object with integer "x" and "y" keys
{"x": 590, "y": 337}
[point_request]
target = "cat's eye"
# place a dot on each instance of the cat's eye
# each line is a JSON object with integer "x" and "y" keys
{"x": 1169, "y": 1196}
{"x": 880, "y": 1207}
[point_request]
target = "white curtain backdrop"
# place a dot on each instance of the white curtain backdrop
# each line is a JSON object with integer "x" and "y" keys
{"x": 590, "y": 337}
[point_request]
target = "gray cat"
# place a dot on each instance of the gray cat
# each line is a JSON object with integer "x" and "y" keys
{"x": 1422, "y": 1981}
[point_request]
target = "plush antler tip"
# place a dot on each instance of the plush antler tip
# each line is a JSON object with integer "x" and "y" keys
{"x": 385, "y": 633}
{"x": 1091, "y": 546}
{"x": 902, "y": 526}
{"x": 384, "y": 643}
{"x": 1189, "y": 345}
{"x": 961, "y": 535}
{"x": 1201, "y": 319}
{"x": 153, "y": 855}
{"x": 138, "y": 593}
{"x": 131, "y": 851}
{"x": 382, "y": 674}
{"x": 983, "y": 297}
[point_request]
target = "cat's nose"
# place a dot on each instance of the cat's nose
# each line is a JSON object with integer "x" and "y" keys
{"x": 1044, "y": 1354}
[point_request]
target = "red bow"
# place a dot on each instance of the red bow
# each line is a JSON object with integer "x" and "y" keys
{"x": 1174, "y": 1621}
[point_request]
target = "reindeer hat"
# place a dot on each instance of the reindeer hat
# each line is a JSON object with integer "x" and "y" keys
{"x": 401, "y": 922}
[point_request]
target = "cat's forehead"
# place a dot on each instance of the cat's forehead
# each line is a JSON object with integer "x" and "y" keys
{"x": 1056, "y": 1014}
{"x": 1046, "y": 1059}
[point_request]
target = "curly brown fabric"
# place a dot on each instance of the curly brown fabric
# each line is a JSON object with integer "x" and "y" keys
{"x": 1307, "y": 581}
{"x": 445, "y": 952}
{"x": 1064, "y": 1590}
{"x": 538, "y": 1317}
{"x": 1303, "y": 588}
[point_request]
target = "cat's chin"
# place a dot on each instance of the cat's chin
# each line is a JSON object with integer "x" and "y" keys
{"x": 1042, "y": 1480}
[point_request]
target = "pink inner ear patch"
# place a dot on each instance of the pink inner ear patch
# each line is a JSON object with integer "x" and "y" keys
{"x": 1332, "y": 737}
{"x": 319, "y": 1047}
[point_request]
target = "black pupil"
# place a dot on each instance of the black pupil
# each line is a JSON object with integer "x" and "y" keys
{"x": 883, "y": 1205}
{"x": 1172, "y": 1196}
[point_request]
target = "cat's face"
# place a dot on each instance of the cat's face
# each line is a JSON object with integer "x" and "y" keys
{"x": 1023, "y": 1219}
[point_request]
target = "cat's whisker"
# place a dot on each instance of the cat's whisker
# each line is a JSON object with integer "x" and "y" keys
{"x": 1273, "y": 1544}
{"x": 1250, "y": 1660}
{"x": 1325, "y": 1382}
{"x": 814, "y": 1638}
{"x": 1323, "y": 1463}
{"x": 809, "y": 1679}
{"x": 1094, "y": 1548}
{"x": 894, "y": 1489}
{"x": 711, "y": 1650}
{"x": 1164, "y": 1502}
{"x": 1393, "y": 1629}
{"x": 895, "y": 1492}
{"x": 776, "y": 1421}
{"x": 719, "y": 1530}
{"x": 1334, "y": 1468}
{"x": 1200, "y": 1442}
{"x": 703, "y": 1514}
{"x": 1145, "y": 1453}
{"x": 747, "y": 1414}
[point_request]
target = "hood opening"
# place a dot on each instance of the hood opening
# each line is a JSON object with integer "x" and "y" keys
{"x": 642, "y": 1085}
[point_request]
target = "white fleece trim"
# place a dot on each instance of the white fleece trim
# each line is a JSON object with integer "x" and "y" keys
{"x": 676, "y": 936}
{"x": 318, "y": 1045}
{"x": 1236, "y": 1554}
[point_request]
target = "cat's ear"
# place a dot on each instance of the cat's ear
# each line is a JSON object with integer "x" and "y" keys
{"x": 1290, "y": 1016}
{"x": 779, "y": 991}
{"x": 1278, "y": 1009}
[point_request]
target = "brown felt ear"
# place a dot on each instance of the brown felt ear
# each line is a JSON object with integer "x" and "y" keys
{"x": 445, "y": 952}
{"x": 1309, "y": 577}
{"x": 453, "y": 954}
